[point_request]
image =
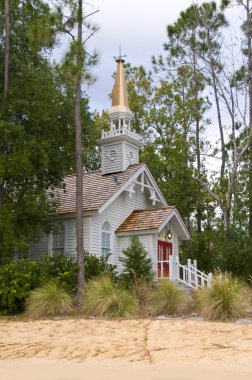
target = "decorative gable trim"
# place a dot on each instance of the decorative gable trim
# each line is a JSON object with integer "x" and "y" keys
{"x": 147, "y": 182}
{"x": 155, "y": 187}
{"x": 129, "y": 186}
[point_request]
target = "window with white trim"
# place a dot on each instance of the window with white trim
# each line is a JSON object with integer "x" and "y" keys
{"x": 58, "y": 240}
{"x": 106, "y": 233}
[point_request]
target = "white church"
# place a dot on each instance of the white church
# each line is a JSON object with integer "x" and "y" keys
{"x": 120, "y": 201}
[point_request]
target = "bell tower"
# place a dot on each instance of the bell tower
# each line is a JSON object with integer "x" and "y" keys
{"x": 120, "y": 145}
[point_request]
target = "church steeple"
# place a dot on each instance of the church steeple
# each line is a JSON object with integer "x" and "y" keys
{"x": 119, "y": 145}
{"x": 120, "y": 104}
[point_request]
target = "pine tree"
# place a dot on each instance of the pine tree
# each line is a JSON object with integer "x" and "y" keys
{"x": 137, "y": 265}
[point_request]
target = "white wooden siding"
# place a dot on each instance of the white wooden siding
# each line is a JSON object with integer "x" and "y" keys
{"x": 130, "y": 148}
{"x": 109, "y": 166}
{"x": 38, "y": 247}
{"x": 71, "y": 235}
{"x": 43, "y": 245}
{"x": 115, "y": 214}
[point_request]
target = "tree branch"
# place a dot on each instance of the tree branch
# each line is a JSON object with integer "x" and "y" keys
{"x": 210, "y": 192}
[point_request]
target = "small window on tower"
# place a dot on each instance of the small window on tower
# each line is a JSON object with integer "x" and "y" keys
{"x": 131, "y": 155}
{"x": 112, "y": 155}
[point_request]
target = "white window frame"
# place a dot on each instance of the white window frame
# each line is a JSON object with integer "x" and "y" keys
{"x": 105, "y": 239}
{"x": 58, "y": 229}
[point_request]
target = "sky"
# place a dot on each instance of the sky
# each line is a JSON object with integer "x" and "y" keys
{"x": 139, "y": 26}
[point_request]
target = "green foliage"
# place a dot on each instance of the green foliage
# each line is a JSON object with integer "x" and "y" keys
{"x": 201, "y": 247}
{"x": 232, "y": 254}
{"x": 136, "y": 264}
{"x": 60, "y": 268}
{"x": 226, "y": 300}
{"x": 167, "y": 298}
{"x": 37, "y": 134}
{"x": 48, "y": 301}
{"x": 98, "y": 266}
{"x": 165, "y": 114}
{"x": 103, "y": 298}
{"x": 18, "y": 278}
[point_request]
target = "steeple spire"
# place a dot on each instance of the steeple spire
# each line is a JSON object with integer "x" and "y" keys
{"x": 119, "y": 145}
{"x": 120, "y": 104}
{"x": 119, "y": 95}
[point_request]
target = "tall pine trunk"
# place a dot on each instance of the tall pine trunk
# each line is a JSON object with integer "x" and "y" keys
{"x": 249, "y": 66}
{"x": 79, "y": 168}
{"x": 6, "y": 48}
{"x": 197, "y": 136}
{"x": 6, "y": 73}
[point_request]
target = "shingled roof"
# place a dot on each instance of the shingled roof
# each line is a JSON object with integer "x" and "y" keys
{"x": 145, "y": 219}
{"x": 97, "y": 189}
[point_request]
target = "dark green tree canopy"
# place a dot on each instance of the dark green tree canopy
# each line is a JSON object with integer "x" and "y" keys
{"x": 37, "y": 135}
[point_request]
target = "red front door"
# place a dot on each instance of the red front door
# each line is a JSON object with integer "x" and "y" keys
{"x": 164, "y": 251}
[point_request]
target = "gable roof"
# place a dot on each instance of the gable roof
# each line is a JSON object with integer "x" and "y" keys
{"x": 145, "y": 219}
{"x": 97, "y": 189}
{"x": 154, "y": 219}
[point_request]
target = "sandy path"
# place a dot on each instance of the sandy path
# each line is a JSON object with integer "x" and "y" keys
{"x": 180, "y": 347}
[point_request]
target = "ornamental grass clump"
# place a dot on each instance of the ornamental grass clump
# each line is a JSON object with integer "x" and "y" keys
{"x": 48, "y": 301}
{"x": 167, "y": 298}
{"x": 143, "y": 292}
{"x": 103, "y": 298}
{"x": 227, "y": 299}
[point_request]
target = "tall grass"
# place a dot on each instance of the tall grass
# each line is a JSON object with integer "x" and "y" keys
{"x": 143, "y": 292}
{"x": 103, "y": 298}
{"x": 48, "y": 301}
{"x": 167, "y": 298}
{"x": 226, "y": 300}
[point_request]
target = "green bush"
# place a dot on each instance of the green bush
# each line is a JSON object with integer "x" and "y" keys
{"x": 17, "y": 279}
{"x": 137, "y": 265}
{"x": 61, "y": 268}
{"x": 103, "y": 298}
{"x": 167, "y": 298}
{"x": 48, "y": 301}
{"x": 98, "y": 266}
{"x": 227, "y": 299}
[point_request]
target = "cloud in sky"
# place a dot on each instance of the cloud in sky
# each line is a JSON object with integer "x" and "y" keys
{"x": 139, "y": 26}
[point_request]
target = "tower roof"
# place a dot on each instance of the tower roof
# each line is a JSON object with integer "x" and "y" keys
{"x": 120, "y": 103}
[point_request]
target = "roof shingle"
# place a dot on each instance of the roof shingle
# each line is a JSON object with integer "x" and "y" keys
{"x": 145, "y": 219}
{"x": 97, "y": 189}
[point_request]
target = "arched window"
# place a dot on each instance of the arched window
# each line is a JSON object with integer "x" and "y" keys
{"x": 106, "y": 232}
{"x": 58, "y": 240}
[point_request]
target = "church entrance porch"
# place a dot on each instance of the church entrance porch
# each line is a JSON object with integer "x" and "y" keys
{"x": 163, "y": 252}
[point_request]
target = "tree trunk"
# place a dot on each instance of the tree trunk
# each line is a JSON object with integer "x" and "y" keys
{"x": 6, "y": 48}
{"x": 197, "y": 136}
{"x": 6, "y": 73}
{"x": 249, "y": 66}
{"x": 223, "y": 159}
{"x": 79, "y": 169}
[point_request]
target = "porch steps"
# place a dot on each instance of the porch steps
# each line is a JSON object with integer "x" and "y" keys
{"x": 184, "y": 287}
{"x": 188, "y": 276}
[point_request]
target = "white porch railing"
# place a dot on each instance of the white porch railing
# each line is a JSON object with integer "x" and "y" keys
{"x": 188, "y": 274}
{"x": 185, "y": 274}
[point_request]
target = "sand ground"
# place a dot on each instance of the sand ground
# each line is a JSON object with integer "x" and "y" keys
{"x": 78, "y": 349}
